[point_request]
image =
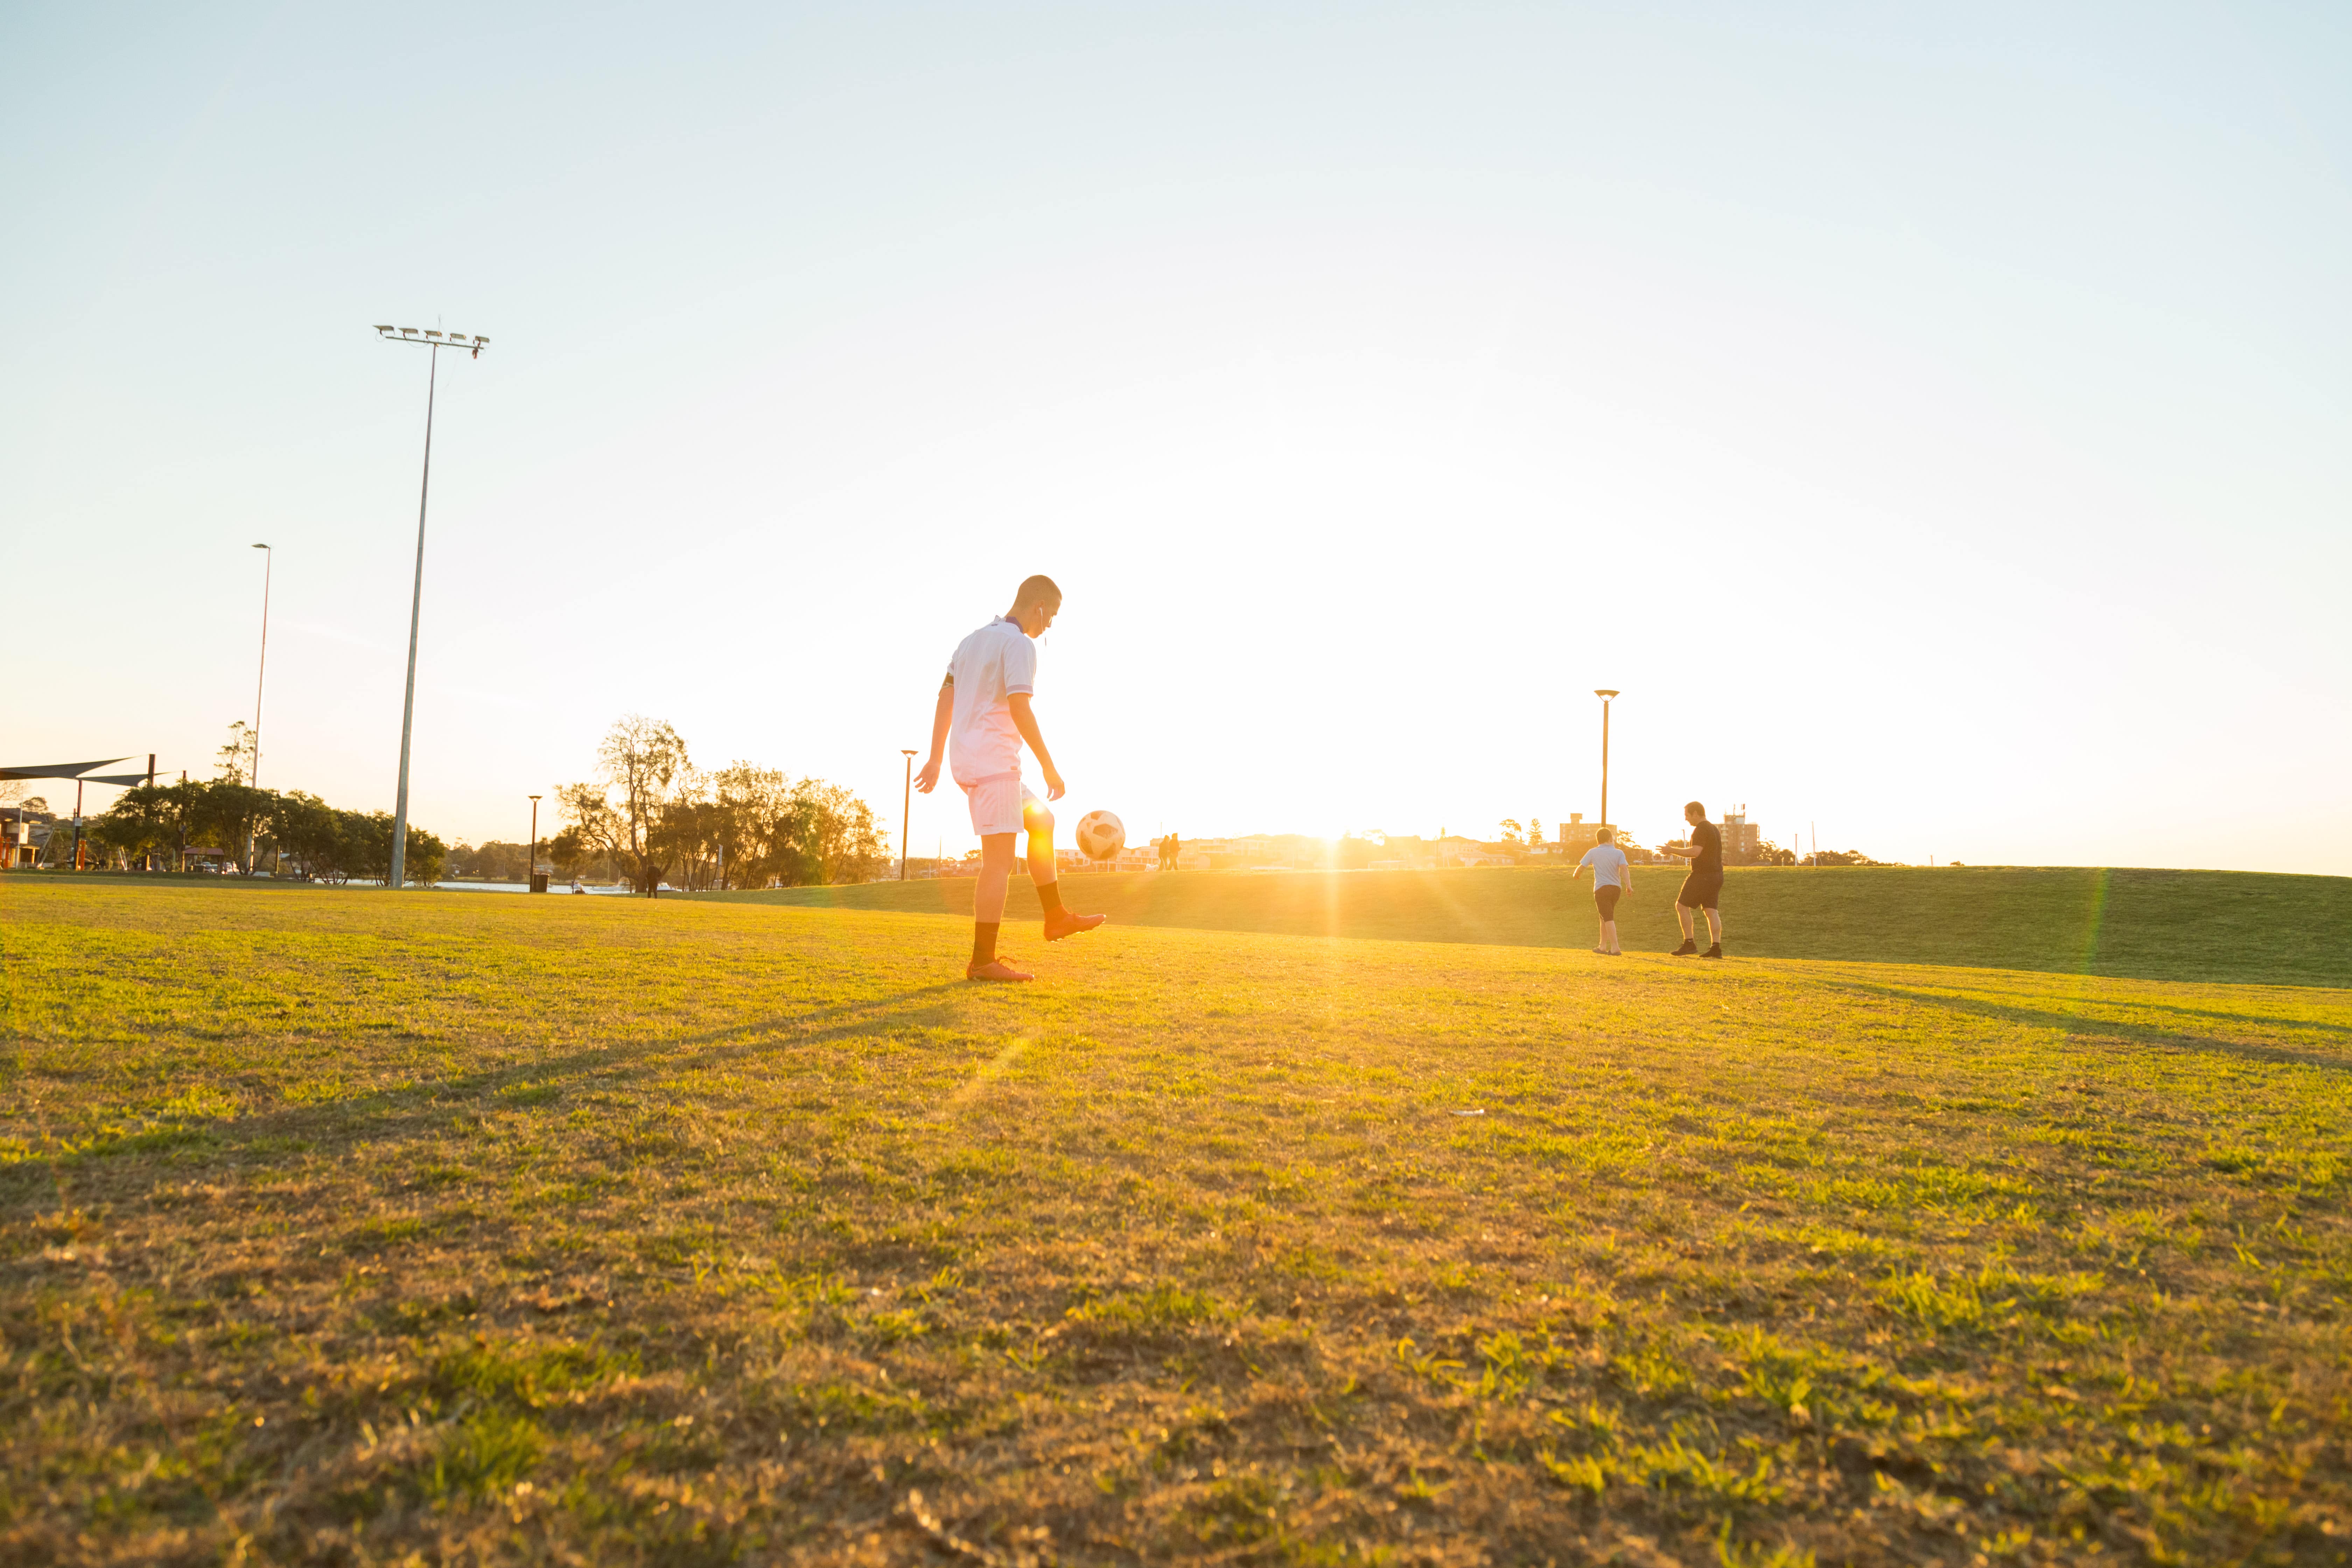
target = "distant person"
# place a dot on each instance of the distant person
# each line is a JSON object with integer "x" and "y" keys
{"x": 1175, "y": 848}
{"x": 985, "y": 704}
{"x": 1612, "y": 877}
{"x": 1703, "y": 887}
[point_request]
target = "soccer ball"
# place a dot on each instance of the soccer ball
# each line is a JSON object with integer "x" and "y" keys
{"x": 1100, "y": 835}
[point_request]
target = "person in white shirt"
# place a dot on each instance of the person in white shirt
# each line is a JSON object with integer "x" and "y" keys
{"x": 1613, "y": 877}
{"x": 985, "y": 704}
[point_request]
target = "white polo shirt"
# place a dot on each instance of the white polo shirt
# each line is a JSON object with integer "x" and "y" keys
{"x": 988, "y": 669}
{"x": 1608, "y": 863}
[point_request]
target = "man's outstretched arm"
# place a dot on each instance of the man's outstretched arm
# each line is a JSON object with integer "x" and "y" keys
{"x": 942, "y": 714}
{"x": 1026, "y": 722}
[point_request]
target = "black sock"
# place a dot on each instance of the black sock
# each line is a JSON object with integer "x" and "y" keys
{"x": 983, "y": 943}
{"x": 1050, "y": 895}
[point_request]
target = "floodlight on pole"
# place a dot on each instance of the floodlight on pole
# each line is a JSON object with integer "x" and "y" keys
{"x": 906, "y": 812}
{"x": 395, "y": 878}
{"x": 1604, "y": 693}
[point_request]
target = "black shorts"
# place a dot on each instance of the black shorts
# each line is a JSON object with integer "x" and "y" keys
{"x": 1700, "y": 889}
{"x": 1605, "y": 901}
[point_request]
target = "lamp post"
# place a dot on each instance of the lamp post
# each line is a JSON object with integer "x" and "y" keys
{"x": 437, "y": 341}
{"x": 530, "y": 869}
{"x": 1604, "y": 694}
{"x": 906, "y": 811}
{"x": 260, "y": 674}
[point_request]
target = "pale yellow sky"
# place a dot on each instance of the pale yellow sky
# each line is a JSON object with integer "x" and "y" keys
{"x": 1936, "y": 427}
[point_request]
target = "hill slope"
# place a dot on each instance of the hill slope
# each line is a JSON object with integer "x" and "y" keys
{"x": 2181, "y": 925}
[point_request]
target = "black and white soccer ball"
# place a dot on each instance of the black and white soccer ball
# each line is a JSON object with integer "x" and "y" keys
{"x": 1100, "y": 835}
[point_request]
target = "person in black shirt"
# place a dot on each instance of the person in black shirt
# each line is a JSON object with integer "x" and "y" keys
{"x": 1704, "y": 885}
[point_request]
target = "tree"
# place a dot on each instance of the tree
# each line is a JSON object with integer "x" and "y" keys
{"x": 238, "y": 757}
{"x": 841, "y": 835}
{"x": 573, "y": 855}
{"x": 496, "y": 861}
{"x": 364, "y": 848}
{"x": 747, "y": 809}
{"x": 755, "y": 827}
{"x": 313, "y": 835}
{"x": 643, "y": 764}
{"x": 743, "y": 827}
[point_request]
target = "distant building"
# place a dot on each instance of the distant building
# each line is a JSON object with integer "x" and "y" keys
{"x": 1740, "y": 840}
{"x": 1576, "y": 836}
{"x": 21, "y": 846}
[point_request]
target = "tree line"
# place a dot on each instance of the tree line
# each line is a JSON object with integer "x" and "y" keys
{"x": 653, "y": 814}
{"x": 290, "y": 832}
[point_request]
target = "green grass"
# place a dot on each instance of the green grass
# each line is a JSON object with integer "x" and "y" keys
{"x": 2170, "y": 925}
{"x": 341, "y": 1225}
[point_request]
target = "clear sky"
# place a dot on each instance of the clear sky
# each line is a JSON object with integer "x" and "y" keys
{"x": 1934, "y": 419}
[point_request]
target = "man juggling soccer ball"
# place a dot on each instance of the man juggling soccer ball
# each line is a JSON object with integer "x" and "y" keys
{"x": 984, "y": 703}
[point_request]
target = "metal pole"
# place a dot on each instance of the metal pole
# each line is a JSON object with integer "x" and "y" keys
{"x": 260, "y": 674}
{"x": 1604, "y": 693}
{"x": 415, "y": 609}
{"x": 530, "y": 869}
{"x": 906, "y": 812}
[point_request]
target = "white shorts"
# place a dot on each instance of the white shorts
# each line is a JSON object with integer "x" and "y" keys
{"x": 1005, "y": 804}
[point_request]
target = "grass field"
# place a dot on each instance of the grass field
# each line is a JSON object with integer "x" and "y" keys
{"x": 2170, "y": 925}
{"x": 349, "y": 1226}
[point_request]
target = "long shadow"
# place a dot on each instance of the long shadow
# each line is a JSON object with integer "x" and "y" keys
{"x": 396, "y": 1117}
{"x": 2076, "y": 1024}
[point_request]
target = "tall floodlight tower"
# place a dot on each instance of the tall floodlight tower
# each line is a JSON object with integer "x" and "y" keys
{"x": 260, "y": 675}
{"x": 436, "y": 342}
{"x": 906, "y": 812}
{"x": 1604, "y": 696}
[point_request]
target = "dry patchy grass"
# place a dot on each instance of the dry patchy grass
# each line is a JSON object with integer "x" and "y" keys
{"x": 341, "y": 1226}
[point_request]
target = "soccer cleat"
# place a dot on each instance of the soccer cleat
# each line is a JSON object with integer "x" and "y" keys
{"x": 994, "y": 969}
{"x": 1714, "y": 950}
{"x": 1688, "y": 949}
{"x": 1058, "y": 926}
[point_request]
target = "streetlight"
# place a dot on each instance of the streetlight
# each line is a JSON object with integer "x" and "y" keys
{"x": 1604, "y": 694}
{"x": 906, "y": 811}
{"x": 530, "y": 871}
{"x": 261, "y": 673}
{"x": 437, "y": 341}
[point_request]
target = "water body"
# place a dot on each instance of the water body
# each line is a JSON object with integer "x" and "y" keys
{"x": 521, "y": 888}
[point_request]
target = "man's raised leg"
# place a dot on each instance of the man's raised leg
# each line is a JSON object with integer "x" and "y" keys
{"x": 988, "y": 910}
{"x": 1059, "y": 922}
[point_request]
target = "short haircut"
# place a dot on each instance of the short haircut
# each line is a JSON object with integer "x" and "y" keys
{"x": 1037, "y": 590}
{"x": 1694, "y": 812}
{"x": 1607, "y": 836}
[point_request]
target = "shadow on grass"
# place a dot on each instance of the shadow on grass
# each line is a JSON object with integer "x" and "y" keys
{"x": 395, "y": 1116}
{"x": 2077, "y": 1024}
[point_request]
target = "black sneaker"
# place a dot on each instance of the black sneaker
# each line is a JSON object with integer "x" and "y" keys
{"x": 1687, "y": 949}
{"x": 1715, "y": 950}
